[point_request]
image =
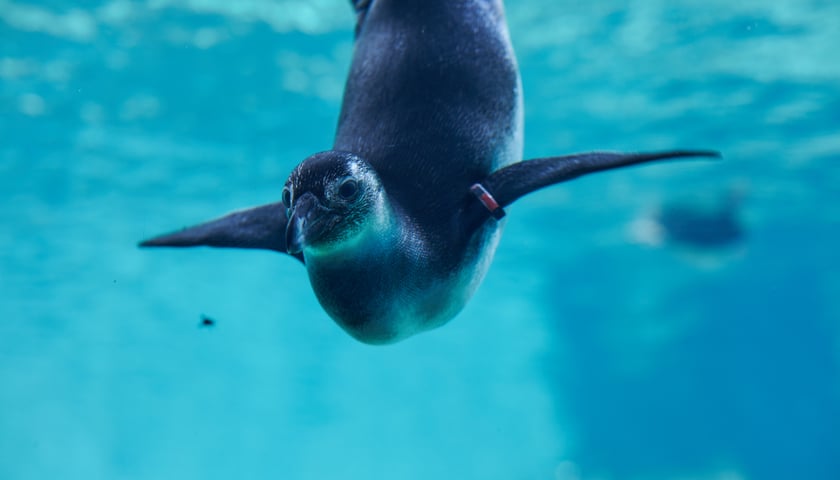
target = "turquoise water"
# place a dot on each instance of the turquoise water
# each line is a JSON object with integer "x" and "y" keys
{"x": 594, "y": 350}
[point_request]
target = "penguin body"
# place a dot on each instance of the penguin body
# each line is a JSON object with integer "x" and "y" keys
{"x": 397, "y": 224}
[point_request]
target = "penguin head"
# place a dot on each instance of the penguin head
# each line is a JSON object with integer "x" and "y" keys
{"x": 331, "y": 198}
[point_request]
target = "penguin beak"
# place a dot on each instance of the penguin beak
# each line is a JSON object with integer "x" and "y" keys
{"x": 306, "y": 223}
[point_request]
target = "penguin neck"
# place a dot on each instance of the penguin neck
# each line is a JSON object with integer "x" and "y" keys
{"x": 382, "y": 239}
{"x": 365, "y": 282}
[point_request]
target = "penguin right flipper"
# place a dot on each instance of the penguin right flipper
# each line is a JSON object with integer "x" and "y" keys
{"x": 505, "y": 185}
{"x": 262, "y": 227}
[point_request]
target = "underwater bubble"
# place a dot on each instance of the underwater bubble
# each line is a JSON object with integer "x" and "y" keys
{"x": 13, "y": 68}
{"x": 75, "y": 24}
{"x": 92, "y": 113}
{"x": 31, "y": 104}
{"x": 139, "y": 107}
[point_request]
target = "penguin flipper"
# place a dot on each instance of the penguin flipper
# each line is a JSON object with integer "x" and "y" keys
{"x": 262, "y": 227}
{"x": 514, "y": 181}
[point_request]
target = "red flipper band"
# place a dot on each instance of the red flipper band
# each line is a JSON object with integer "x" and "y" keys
{"x": 488, "y": 201}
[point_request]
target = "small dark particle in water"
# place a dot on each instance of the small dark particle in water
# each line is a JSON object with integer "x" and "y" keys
{"x": 206, "y": 322}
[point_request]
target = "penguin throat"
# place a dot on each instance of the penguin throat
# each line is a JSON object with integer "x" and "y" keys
{"x": 373, "y": 236}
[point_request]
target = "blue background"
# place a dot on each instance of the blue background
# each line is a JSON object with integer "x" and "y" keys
{"x": 593, "y": 350}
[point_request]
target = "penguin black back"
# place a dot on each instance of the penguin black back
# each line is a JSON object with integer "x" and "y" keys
{"x": 433, "y": 100}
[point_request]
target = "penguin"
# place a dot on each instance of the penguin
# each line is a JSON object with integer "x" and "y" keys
{"x": 704, "y": 222}
{"x": 398, "y": 222}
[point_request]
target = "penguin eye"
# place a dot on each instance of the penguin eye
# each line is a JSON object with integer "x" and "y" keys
{"x": 348, "y": 189}
{"x": 287, "y": 197}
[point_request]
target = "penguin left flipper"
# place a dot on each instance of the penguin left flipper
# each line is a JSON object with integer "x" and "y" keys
{"x": 262, "y": 227}
{"x": 504, "y": 186}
